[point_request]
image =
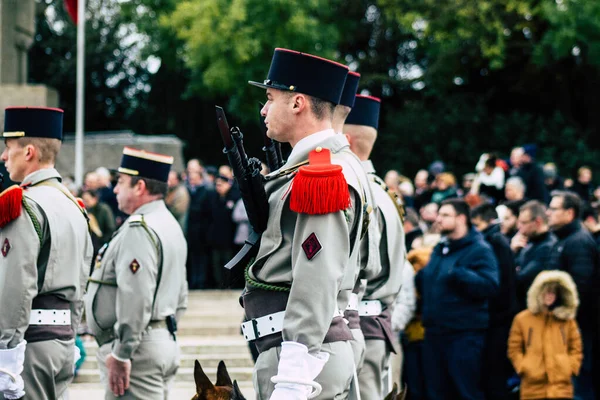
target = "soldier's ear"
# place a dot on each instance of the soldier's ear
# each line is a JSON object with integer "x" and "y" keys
{"x": 299, "y": 103}
{"x": 349, "y": 138}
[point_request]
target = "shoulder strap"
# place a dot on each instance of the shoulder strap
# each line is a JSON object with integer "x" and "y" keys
{"x": 68, "y": 194}
{"x": 396, "y": 198}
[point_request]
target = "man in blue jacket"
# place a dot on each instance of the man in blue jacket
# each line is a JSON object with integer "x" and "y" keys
{"x": 456, "y": 285}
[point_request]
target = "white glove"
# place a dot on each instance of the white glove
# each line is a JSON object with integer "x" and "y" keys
{"x": 296, "y": 373}
{"x": 11, "y": 365}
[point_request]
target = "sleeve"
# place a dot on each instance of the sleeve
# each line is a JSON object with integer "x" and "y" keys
{"x": 182, "y": 304}
{"x": 581, "y": 263}
{"x": 516, "y": 344}
{"x": 574, "y": 347}
{"x": 536, "y": 264}
{"x": 20, "y": 246}
{"x": 406, "y": 302}
{"x": 320, "y": 254}
{"x": 479, "y": 278}
{"x": 136, "y": 271}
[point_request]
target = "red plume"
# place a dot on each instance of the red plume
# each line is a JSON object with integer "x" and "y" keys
{"x": 71, "y": 6}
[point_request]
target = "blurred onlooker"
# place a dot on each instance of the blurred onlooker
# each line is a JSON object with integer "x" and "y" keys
{"x": 576, "y": 253}
{"x": 502, "y": 307}
{"x": 91, "y": 181}
{"x": 211, "y": 173}
{"x": 552, "y": 180}
{"x": 177, "y": 199}
{"x": 445, "y": 187}
{"x": 196, "y": 231}
{"x": 422, "y": 192}
{"x": 435, "y": 168}
{"x": 490, "y": 180}
{"x": 226, "y": 171}
{"x": 533, "y": 175}
{"x": 407, "y": 192}
{"x": 107, "y": 194}
{"x": 568, "y": 184}
{"x": 515, "y": 161}
{"x": 102, "y": 214}
{"x": 220, "y": 226}
{"x": 531, "y": 245}
{"x": 240, "y": 217}
{"x": 590, "y": 220}
{"x": 456, "y": 285}
{"x": 508, "y": 222}
{"x": 429, "y": 214}
{"x": 514, "y": 189}
{"x": 583, "y": 186}
{"x": 412, "y": 230}
{"x": 467, "y": 183}
{"x": 392, "y": 180}
{"x": 545, "y": 344}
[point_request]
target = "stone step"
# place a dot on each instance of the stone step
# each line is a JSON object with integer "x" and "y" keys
{"x": 187, "y": 361}
{"x": 241, "y": 374}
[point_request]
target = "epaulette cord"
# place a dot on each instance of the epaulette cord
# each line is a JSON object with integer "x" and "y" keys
{"x": 138, "y": 220}
{"x": 287, "y": 171}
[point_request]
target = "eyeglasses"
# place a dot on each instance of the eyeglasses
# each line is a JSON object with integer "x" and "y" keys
{"x": 555, "y": 209}
{"x": 447, "y": 215}
{"x": 526, "y": 222}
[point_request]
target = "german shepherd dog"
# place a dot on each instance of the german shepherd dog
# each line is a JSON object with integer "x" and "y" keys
{"x": 395, "y": 395}
{"x": 224, "y": 389}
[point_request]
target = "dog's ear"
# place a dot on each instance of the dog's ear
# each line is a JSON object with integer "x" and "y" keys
{"x": 402, "y": 394}
{"x": 237, "y": 393}
{"x": 203, "y": 384}
{"x": 393, "y": 393}
{"x": 223, "y": 378}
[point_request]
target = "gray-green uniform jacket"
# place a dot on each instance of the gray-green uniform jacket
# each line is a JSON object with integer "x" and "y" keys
{"x": 123, "y": 297}
{"x": 46, "y": 250}
{"x": 321, "y": 276}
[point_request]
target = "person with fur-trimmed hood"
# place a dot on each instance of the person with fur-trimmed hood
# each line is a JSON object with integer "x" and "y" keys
{"x": 544, "y": 343}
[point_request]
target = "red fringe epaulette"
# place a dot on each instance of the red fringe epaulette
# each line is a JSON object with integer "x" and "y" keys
{"x": 80, "y": 202}
{"x": 10, "y": 204}
{"x": 320, "y": 187}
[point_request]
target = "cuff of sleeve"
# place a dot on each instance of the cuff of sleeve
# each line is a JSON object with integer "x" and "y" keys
{"x": 120, "y": 352}
{"x": 119, "y": 358}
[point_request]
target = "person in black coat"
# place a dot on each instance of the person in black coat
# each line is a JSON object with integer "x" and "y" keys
{"x": 575, "y": 252}
{"x": 533, "y": 175}
{"x": 531, "y": 245}
{"x": 502, "y": 307}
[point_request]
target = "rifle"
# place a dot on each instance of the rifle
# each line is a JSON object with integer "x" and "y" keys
{"x": 247, "y": 174}
{"x": 272, "y": 148}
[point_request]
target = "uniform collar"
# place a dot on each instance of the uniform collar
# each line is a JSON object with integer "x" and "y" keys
{"x": 149, "y": 207}
{"x": 368, "y": 166}
{"x": 306, "y": 145}
{"x": 41, "y": 175}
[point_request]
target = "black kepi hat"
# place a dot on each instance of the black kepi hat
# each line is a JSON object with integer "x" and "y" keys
{"x": 38, "y": 122}
{"x": 365, "y": 111}
{"x": 350, "y": 88}
{"x": 294, "y": 71}
{"x": 145, "y": 164}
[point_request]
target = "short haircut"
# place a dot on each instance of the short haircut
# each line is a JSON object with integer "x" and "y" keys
{"x": 154, "y": 186}
{"x": 487, "y": 212}
{"x": 517, "y": 183}
{"x": 412, "y": 217}
{"x": 94, "y": 193}
{"x": 460, "y": 206}
{"x": 589, "y": 211}
{"x": 47, "y": 148}
{"x": 321, "y": 108}
{"x": 537, "y": 210}
{"x": 571, "y": 201}
{"x": 491, "y": 161}
{"x": 515, "y": 206}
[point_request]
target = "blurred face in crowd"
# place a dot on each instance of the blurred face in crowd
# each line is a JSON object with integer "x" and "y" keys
{"x": 527, "y": 226}
{"x": 448, "y": 220}
{"x": 222, "y": 186}
{"x": 512, "y": 192}
{"x": 429, "y": 213}
{"x": 508, "y": 223}
{"x": 549, "y": 297}
{"x": 516, "y": 156}
{"x": 557, "y": 215}
{"x": 421, "y": 179}
{"x": 585, "y": 176}
{"x": 479, "y": 223}
{"x": 173, "y": 179}
{"x": 195, "y": 178}
{"x": 225, "y": 170}
{"x": 194, "y": 166}
{"x": 92, "y": 181}
{"x": 392, "y": 179}
{"x": 89, "y": 200}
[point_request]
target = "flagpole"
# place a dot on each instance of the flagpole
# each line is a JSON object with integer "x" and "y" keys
{"x": 79, "y": 113}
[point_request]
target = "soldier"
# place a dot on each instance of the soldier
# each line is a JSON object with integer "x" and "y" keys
{"x": 138, "y": 288}
{"x": 46, "y": 252}
{"x": 300, "y": 282}
{"x": 376, "y": 308}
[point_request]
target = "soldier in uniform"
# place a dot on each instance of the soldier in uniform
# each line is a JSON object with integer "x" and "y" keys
{"x": 138, "y": 287}
{"x": 376, "y": 308}
{"x": 299, "y": 285}
{"x": 45, "y": 256}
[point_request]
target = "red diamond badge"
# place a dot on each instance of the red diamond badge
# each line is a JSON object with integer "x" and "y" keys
{"x": 311, "y": 246}
{"x": 5, "y": 247}
{"x": 134, "y": 266}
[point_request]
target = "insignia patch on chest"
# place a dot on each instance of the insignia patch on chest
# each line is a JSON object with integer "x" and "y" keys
{"x": 5, "y": 247}
{"x": 311, "y": 246}
{"x": 134, "y": 266}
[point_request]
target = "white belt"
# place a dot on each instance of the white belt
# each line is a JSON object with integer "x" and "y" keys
{"x": 353, "y": 302}
{"x": 267, "y": 325}
{"x": 50, "y": 317}
{"x": 369, "y": 308}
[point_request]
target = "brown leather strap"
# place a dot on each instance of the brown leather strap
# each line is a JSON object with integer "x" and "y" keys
{"x": 379, "y": 328}
{"x": 39, "y": 333}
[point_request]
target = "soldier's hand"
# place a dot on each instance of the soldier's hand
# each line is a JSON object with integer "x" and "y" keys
{"x": 118, "y": 375}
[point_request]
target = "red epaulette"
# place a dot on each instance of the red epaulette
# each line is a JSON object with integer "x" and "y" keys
{"x": 319, "y": 187}
{"x": 11, "y": 202}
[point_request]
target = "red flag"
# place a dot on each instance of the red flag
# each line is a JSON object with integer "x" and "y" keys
{"x": 71, "y": 6}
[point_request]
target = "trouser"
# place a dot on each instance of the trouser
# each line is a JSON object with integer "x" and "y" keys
{"x": 374, "y": 369}
{"x": 453, "y": 365}
{"x": 396, "y": 362}
{"x": 584, "y": 382}
{"x": 197, "y": 266}
{"x": 48, "y": 368}
{"x": 334, "y": 378}
{"x": 220, "y": 257}
{"x": 413, "y": 372}
{"x": 358, "y": 348}
{"x": 153, "y": 366}
{"x": 498, "y": 366}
